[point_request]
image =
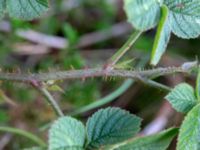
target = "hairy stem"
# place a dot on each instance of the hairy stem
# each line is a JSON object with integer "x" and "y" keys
{"x": 113, "y": 95}
{"x": 98, "y": 72}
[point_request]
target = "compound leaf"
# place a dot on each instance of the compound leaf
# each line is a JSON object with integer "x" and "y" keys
{"x": 142, "y": 14}
{"x": 158, "y": 141}
{"x": 110, "y": 126}
{"x": 182, "y": 97}
{"x": 65, "y": 133}
{"x": 189, "y": 136}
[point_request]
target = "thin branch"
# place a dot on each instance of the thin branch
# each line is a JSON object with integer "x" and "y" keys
{"x": 155, "y": 84}
{"x": 51, "y": 100}
{"x": 112, "y": 96}
{"x": 26, "y": 134}
{"x": 116, "y": 57}
{"x": 105, "y": 100}
{"x": 98, "y": 72}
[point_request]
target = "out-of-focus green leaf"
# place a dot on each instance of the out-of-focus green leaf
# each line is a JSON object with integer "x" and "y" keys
{"x": 198, "y": 86}
{"x": 189, "y": 136}
{"x": 158, "y": 141}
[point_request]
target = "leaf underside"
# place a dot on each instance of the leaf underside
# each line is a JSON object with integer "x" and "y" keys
{"x": 162, "y": 37}
{"x": 142, "y": 14}
{"x": 23, "y": 9}
{"x": 184, "y": 17}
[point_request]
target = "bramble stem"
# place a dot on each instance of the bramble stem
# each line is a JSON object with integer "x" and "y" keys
{"x": 51, "y": 101}
{"x": 98, "y": 72}
{"x": 140, "y": 75}
{"x": 116, "y": 57}
{"x": 113, "y": 95}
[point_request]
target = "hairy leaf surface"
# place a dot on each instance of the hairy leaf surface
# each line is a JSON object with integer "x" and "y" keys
{"x": 66, "y": 132}
{"x": 189, "y": 136}
{"x": 142, "y": 14}
{"x": 110, "y": 126}
{"x": 182, "y": 97}
{"x": 184, "y": 17}
{"x": 26, "y": 9}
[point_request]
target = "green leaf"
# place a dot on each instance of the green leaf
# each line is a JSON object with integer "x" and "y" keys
{"x": 2, "y": 8}
{"x": 110, "y": 126}
{"x": 126, "y": 64}
{"x": 182, "y": 97}
{"x": 198, "y": 86}
{"x": 162, "y": 37}
{"x": 70, "y": 148}
{"x": 64, "y": 148}
{"x": 26, "y": 9}
{"x": 184, "y": 17}
{"x": 142, "y": 14}
{"x": 158, "y": 141}
{"x": 35, "y": 148}
{"x": 66, "y": 132}
{"x": 189, "y": 136}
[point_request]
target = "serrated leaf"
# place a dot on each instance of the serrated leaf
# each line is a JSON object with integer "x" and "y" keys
{"x": 66, "y": 132}
{"x": 158, "y": 141}
{"x": 110, "y": 126}
{"x": 189, "y": 136}
{"x": 184, "y": 17}
{"x": 198, "y": 86}
{"x": 26, "y": 9}
{"x": 162, "y": 36}
{"x": 182, "y": 97}
{"x": 142, "y": 14}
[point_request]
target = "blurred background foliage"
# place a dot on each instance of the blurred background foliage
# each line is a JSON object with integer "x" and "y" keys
{"x": 23, "y": 107}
